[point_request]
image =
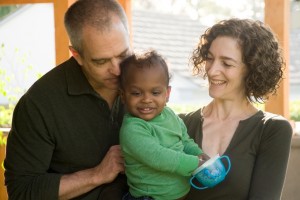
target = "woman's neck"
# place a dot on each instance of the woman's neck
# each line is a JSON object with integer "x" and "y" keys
{"x": 224, "y": 110}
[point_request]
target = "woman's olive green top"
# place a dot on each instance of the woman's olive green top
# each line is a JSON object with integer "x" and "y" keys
{"x": 259, "y": 152}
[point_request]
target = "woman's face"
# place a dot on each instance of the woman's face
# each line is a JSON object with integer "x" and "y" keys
{"x": 225, "y": 69}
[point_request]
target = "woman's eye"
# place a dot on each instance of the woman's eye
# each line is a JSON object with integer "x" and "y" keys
{"x": 226, "y": 64}
{"x": 209, "y": 59}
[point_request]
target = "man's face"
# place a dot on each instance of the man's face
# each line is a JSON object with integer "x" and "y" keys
{"x": 102, "y": 52}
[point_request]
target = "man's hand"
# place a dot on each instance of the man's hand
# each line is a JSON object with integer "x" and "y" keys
{"x": 78, "y": 183}
{"x": 111, "y": 166}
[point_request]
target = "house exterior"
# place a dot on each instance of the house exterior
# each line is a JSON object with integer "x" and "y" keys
{"x": 174, "y": 36}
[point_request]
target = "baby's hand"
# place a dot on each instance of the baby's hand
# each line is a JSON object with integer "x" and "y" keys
{"x": 203, "y": 158}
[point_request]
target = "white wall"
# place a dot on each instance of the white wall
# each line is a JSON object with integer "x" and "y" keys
{"x": 28, "y": 38}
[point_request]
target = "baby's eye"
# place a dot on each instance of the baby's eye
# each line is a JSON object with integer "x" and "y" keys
{"x": 156, "y": 93}
{"x": 135, "y": 93}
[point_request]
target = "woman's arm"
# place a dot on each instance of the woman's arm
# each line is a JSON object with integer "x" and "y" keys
{"x": 271, "y": 161}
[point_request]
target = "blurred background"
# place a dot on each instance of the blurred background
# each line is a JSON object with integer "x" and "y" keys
{"x": 172, "y": 27}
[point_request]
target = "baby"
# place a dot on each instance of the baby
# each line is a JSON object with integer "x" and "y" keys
{"x": 159, "y": 154}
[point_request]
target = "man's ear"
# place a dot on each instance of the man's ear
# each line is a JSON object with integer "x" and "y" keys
{"x": 76, "y": 55}
{"x": 168, "y": 92}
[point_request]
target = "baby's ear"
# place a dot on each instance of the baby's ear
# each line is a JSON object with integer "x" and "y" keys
{"x": 121, "y": 92}
{"x": 168, "y": 92}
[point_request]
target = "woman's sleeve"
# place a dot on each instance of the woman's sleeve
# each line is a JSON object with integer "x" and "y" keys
{"x": 271, "y": 161}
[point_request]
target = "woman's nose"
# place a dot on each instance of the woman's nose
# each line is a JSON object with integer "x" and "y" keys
{"x": 212, "y": 68}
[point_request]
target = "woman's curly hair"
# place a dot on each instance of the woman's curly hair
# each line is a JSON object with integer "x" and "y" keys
{"x": 260, "y": 53}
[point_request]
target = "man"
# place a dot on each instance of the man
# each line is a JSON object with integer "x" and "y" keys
{"x": 64, "y": 138}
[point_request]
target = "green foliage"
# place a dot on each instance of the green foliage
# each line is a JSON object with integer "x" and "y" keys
{"x": 11, "y": 84}
{"x": 295, "y": 110}
{"x": 184, "y": 108}
{"x": 6, "y": 10}
{"x": 2, "y": 139}
{"x": 6, "y": 113}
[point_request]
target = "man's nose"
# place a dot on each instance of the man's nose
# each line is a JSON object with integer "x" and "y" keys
{"x": 115, "y": 67}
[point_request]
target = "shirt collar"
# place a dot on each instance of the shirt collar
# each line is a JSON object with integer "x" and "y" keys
{"x": 76, "y": 80}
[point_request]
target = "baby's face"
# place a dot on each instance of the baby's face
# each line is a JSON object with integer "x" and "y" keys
{"x": 146, "y": 92}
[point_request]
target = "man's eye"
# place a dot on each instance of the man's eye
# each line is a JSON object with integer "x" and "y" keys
{"x": 101, "y": 62}
{"x": 123, "y": 56}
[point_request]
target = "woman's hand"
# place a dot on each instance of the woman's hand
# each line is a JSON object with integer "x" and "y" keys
{"x": 203, "y": 158}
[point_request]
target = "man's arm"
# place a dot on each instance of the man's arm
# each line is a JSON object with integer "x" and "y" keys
{"x": 29, "y": 155}
{"x": 78, "y": 183}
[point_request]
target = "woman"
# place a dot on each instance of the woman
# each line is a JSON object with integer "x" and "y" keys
{"x": 243, "y": 64}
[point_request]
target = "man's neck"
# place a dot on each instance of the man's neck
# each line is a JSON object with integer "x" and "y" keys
{"x": 109, "y": 96}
